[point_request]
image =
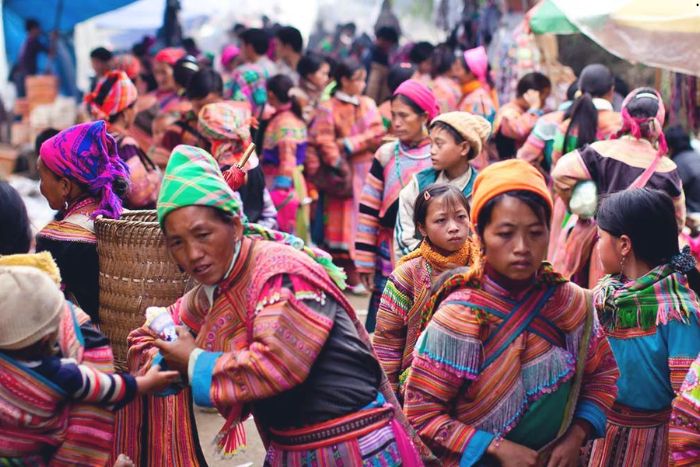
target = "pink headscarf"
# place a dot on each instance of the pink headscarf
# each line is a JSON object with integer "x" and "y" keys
{"x": 88, "y": 155}
{"x": 170, "y": 55}
{"x": 229, "y": 53}
{"x": 478, "y": 63}
{"x": 649, "y": 128}
{"x": 421, "y": 95}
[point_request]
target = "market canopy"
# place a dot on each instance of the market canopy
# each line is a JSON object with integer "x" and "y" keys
{"x": 663, "y": 34}
{"x": 51, "y": 14}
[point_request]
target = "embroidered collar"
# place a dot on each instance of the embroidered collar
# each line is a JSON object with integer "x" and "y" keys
{"x": 347, "y": 98}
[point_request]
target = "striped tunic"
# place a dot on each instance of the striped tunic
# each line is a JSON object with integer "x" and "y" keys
{"x": 653, "y": 363}
{"x": 613, "y": 165}
{"x": 684, "y": 432}
{"x": 399, "y": 316}
{"x": 458, "y": 407}
{"x": 447, "y": 93}
{"x": 344, "y": 131}
{"x": 284, "y": 148}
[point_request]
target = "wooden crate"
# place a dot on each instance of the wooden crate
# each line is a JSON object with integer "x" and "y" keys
{"x": 8, "y": 159}
{"x": 41, "y": 89}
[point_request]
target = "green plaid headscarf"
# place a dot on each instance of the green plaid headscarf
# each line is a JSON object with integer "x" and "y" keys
{"x": 193, "y": 178}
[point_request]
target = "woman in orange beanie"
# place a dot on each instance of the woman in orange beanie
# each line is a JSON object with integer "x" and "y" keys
{"x": 513, "y": 365}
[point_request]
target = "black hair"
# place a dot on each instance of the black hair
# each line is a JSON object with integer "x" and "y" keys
{"x": 433, "y": 192}
{"x": 291, "y": 36}
{"x": 238, "y": 28}
{"x": 44, "y": 136}
{"x": 310, "y": 63}
{"x": 595, "y": 80}
{"x": 345, "y": 69}
{"x": 420, "y": 52}
{"x": 15, "y": 228}
{"x": 388, "y": 34}
{"x": 442, "y": 60}
{"x": 203, "y": 83}
{"x": 439, "y": 125}
{"x": 184, "y": 69}
{"x": 101, "y": 54}
{"x": 534, "y": 80}
{"x": 280, "y": 85}
{"x": 678, "y": 140}
{"x": 30, "y": 24}
{"x": 621, "y": 86}
{"x": 571, "y": 91}
{"x": 648, "y": 218}
{"x": 535, "y": 202}
{"x": 190, "y": 45}
{"x": 120, "y": 187}
{"x": 257, "y": 38}
{"x": 398, "y": 74}
{"x": 643, "y": 106}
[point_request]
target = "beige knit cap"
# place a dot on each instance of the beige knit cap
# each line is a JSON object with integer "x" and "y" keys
{"x": 31, "y": 306}
{"x": 473, "y": 128}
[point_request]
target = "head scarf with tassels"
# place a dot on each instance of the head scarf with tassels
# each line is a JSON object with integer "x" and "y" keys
{"x": 193, "y": 178}
{"x": 87, "y": 155}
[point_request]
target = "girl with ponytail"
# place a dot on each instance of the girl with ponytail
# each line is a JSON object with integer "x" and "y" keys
{"x": 635, "y": 158}
{"x": 648, "y": 306}
{"x": 283, "y": 155}
{"x": 591, "y": 117}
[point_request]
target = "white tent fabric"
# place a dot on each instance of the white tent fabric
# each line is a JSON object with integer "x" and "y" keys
{"x": 664, "y": 34}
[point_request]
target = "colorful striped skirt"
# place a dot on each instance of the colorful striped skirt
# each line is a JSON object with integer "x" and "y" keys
{"x": 366, "y": 438}
{"x": 632, "y": 438}
{"x": 684, "y": 433}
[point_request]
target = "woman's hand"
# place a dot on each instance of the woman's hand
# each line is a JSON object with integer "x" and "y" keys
{"x": 510, "y": 454}
{"x": 155, "y": 380}
{"x": 177, "y": 354}
{"x": 533, "y": 99}
{"x": 567, "y": 451}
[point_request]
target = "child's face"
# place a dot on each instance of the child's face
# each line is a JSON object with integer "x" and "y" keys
{"x": 446, "y": 225}
{"x": 445, "y": 152}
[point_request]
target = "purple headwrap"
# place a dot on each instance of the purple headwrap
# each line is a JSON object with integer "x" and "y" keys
{"x": 421, "y": 95}
{"x": 88, "y": 155}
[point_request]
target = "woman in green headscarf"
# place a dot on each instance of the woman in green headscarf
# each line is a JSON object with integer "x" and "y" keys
{"x": 267, "y": 331}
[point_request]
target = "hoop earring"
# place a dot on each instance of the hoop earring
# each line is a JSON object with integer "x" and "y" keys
{"x": 65, "y": 205}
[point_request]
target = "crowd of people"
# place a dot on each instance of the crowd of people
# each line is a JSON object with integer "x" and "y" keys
{"x": 532, "y": 290}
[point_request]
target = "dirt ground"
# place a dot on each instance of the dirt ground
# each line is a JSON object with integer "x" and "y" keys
{"x": 208, "y": 423}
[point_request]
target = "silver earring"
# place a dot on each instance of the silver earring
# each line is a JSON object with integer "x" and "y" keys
{"x": 622, "y": 265}
{"x": 65, "y": 205}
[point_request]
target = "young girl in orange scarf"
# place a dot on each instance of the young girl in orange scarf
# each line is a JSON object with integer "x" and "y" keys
{"x": 441, "y": 216}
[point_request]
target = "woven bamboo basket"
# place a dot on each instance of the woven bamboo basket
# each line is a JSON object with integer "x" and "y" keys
{"x": 135, "y": 272}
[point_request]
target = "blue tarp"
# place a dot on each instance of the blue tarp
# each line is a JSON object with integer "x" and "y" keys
{"x": 51, "y": 13}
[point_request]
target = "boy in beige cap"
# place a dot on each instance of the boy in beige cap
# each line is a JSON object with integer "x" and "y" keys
{"x": 456, "y": 139}
{"x": 36, "y": 385}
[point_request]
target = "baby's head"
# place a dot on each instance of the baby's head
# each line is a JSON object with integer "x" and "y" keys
{"x": 30, "y": 313}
